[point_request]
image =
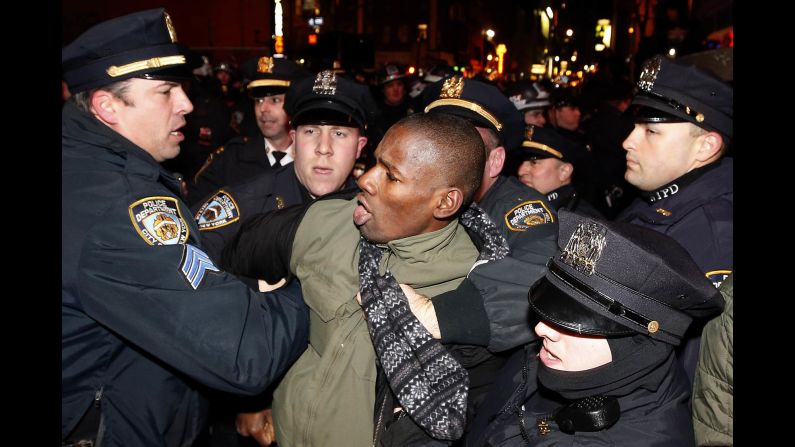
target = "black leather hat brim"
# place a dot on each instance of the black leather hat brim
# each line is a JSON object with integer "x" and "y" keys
{"x": 326, "y": 112}
{"x": 564, "y": 310}
{"x": 648, "y": 109}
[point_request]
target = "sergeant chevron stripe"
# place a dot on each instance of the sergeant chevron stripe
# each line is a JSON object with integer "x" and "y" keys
{"x": 195, "y": 264}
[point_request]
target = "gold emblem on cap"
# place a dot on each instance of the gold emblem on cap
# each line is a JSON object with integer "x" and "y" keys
{"x": 279, "y": 202}
{"x": 452, "y": 87}
{"x": 155, "y": 62}
{"x": 265, "y": 65}
{"x": 664, "y": 212}
{"x": 528, "y": 133}
{"x": 649, "y": 73}
{"x": 585, "y": 247}
{"x": 653, "y": 326}
{"x": 172, "y": 33}
{"x": 325, "y": 83}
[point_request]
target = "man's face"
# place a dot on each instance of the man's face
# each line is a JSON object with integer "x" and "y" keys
{"x": 394, "y": 92}
{"x": 567, "y": 351}
{"x": 271, "y": 117}
{"x": 659, "y": 153}
{"x": 543, "y": 174}
{"x": 535, "y": 117}
{"x": 567, "y": 117}
{"x": 398, "y": 193}
{"x": 154, "y": 113}
{"x": 324, "y": 155}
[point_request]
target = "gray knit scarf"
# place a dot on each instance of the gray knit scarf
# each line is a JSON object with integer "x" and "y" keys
{"x": 429, "y": 383}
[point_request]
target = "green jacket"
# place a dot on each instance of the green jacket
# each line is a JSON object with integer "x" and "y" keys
{"x": 713, "y": 386}
{"x": 327, "y": 397}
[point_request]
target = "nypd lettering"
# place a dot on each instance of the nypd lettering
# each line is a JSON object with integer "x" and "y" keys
{"x": 663, "y": 193}
{"x": 158, "y": 221}
{"x": 220, "y": 210}
{"x": 718, "y": 276}
{"x": 528, "y": 214}
{"x": 195, "y": 265}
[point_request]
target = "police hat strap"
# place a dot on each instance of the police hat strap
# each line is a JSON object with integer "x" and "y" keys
{"x": 674, "y": 104}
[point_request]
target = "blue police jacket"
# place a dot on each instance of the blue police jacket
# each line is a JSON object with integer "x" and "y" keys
{"x": 147, "y": 317}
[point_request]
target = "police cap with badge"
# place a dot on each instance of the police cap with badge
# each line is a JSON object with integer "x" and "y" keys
{"x": 391, "y": 72}
{"x": 547, "y": 142}
{"x": 330, "y": 99}
{"x": 672, "y": 92}
{"x": 139, "y": 45}
{"x": 271, "y": 75}
{"x": 614, "y": 279}
{"x": 480, "y": 103}
{"x": 526, "y": 95}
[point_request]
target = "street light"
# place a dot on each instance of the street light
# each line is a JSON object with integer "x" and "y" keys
{"x": 490, "y": 34}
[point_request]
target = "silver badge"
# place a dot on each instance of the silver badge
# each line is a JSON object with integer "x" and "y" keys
{"x": 585, "y": 247}
{"x": 651, "y": 68}
{"x": 325, "y": 83}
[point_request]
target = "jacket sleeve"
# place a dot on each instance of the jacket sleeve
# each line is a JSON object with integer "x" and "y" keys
{"x": 713, "y": 385}
{"x": 172, "y": 302}
{"x": 490, "y": 307}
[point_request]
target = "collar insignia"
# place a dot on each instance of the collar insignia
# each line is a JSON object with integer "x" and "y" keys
{"x": 452, "y": 87}
{"x": 528, "y": 133}
{"x": 265, "y": 65}
{"x": 325, "y": 83}
{"x": 585, "y": 247}
{"x": 649, "y": 73}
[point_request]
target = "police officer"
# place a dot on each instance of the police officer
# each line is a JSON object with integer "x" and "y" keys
{"x": 393, "y": 102}
{"x": 330, "y": 115}
{"x": 605, "y": 373}
{"x": 532, "y": 100}
{"x": 243, "y": 157}
{"x": 548, "y": 166}
{"x": 147, "y": 317}
{"x": 675, "y": 156}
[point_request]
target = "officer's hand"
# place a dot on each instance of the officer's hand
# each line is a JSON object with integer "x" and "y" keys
{"x": 422, "y": 308}
{"x": 258, "y": 425}
{"x": 264, "y": 286}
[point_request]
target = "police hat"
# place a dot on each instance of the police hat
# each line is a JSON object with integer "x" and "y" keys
{"x": 271, "y": 75}
{"x": 390, "y": 73}
{"x": 480, "y": 103}
{"x": 671, "y": 91}
{"x": 330, "y": 99}
{"x": 139, "y": 45}
{"x": 526, "y": 95}
{"x": 563, "y": 97}
{"x": 614, "y": 279}
{"x": 546, "y": 142}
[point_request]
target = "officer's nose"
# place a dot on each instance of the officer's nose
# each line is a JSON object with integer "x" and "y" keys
{"x": 630, "y": 142}
{"x": 324, "y": 144}
{"x": 544, "y": 330}
{"x": 184, "y": 106}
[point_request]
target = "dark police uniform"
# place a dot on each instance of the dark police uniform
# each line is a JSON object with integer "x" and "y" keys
{"x": 244, "y": 157}
{"x": 598, "y": 285}
{"x": 697, "y": 208}
{"x": 146, "y": 315}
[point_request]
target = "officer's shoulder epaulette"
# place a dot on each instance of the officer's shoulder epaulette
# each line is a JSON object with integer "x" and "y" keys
{"x": 213, "y": 155}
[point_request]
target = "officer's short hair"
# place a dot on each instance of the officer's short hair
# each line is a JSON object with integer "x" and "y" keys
{"x": 118, "y": 89}
{"x": 492, "y": 141}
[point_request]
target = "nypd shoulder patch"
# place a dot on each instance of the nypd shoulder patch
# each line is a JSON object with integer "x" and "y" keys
{"x": 718, "y": 276}
{"x": 158, "y": 221}
{"x": 528, "y": 214}
{"x": 195, "y": 265}
{"x": 221, "y": 209}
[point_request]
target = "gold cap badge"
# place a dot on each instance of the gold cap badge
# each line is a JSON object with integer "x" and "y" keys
{"x": 265, "y": 65}
{"x": 452, "y": 87}
{"x": 172, "y": 33}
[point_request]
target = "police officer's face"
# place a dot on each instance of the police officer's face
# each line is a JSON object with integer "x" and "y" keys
{"x": 567, "y": 117}
{"x": 324, "y": 155}
{"x": 271, "y": 117}
{"x": 394, "y": 92}
{"x": 152, "y": 115}
{"x": 544, "y": 175}
{"x": 659, "y": 153}
{"x": 567, "y": 351}
{"x": 399, "y": 193}
{"x": 535, "y": 117}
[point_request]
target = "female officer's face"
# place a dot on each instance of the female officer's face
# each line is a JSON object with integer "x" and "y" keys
{"x": 568, "y": 351}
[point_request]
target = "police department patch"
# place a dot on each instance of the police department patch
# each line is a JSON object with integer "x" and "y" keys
{"x": 221, "y": 209}
{"x": 528, "y": 214}
{"x": 718, "y": 276}
{"x": 158, "y": 221}
{"x": 195, "y": 264}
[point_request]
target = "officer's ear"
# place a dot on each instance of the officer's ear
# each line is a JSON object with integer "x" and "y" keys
{"x": 495, "y": 161}
{"x": 709, "y": 147}
{"x": 565, "y": 170}
{"x": 449, "y": 203}
{"x": 103, "y": 105}
{"x": 362, "y": 143}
